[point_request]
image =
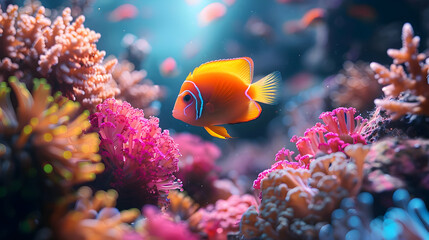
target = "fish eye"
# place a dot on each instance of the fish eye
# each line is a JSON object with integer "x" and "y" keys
{"x": 187, "y": 98}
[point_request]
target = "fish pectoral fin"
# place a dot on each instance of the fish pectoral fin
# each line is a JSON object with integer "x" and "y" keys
{"x": 253, "y": 112}
{"x": 217, "y": 131}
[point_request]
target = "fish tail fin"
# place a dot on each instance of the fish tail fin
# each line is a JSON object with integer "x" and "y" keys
{"x": 266, "y": 89}
{"x": 217, "y": 131}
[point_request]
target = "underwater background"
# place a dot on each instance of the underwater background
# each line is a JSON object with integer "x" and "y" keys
{"x": 89, "y": 148}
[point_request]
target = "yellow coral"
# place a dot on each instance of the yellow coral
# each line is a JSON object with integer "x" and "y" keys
{"x": 54, "y": 130}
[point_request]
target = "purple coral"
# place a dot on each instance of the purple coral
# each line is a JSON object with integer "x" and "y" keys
{"x": 141, "y": 157}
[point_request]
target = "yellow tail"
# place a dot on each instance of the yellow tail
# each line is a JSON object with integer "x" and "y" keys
{"x": 266, "y": 89}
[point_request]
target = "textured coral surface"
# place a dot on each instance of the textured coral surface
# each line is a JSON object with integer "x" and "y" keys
{"x": 62, "y": 51}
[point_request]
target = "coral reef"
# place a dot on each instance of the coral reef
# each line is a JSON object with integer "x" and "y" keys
{"x": 396, "y": 163}
{"x": 62, "y": 51}
{"x": 135, "y": 89}
{"x": 404, "y": 94}
{"x": 339, "y": 130}
{"x": 181, "y": 207}
{"x": 295, "y": 203}
{"x": 197, "y": 167}
{"x": 43, "y": 150}
{"x": 218, "y": 220}
{"x": 140, "y": 158}
{"x": 404, "y": 110}
{"x": 95, "y": 217}
{"x": 157, "y": 225}
{"x": 408, "y": 220}
{"x": 354, "y": 86}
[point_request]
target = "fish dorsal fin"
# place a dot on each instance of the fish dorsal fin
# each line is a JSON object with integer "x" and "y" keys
{"x": 239, "y": 67}
{"x": 217, "y": 131}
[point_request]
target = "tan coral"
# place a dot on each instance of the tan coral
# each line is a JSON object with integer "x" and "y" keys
{"x": 297, "y": 202}
{"x": 405, "y": 94}
{"x": 135, "y": 88}
{"x": 96, "y": 218}
{"x": 63, "y": 52}
{"x": 181, "y": 205}
{"x": 355, "y": 86}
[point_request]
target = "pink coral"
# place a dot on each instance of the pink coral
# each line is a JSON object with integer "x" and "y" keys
{"x": 141, "y": 157}
{"x": 295, "y": 203}
{"x": 197, "y": 166}
{"x": 198, "y": 156}
{"x": 157, "y": 225}
{"x": 217, "y": 220}
{"x": 339, "y": 130}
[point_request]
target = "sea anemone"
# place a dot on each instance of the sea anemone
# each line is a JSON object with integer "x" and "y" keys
{"x": 407, "y": 220}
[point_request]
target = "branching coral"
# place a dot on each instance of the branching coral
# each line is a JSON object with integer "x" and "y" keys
{"x": 63, "y": 52}
{"x": 408, "y": 220}
{"x": 295, "y": 203}
{"x": 405, "y": 94}
{"x": 339, "y": 130}
{"x": 96, "y": 218}
{"x": 135, "y": 89}
{"x": 140, "y": 158}
{"x": 43, "y": 150}
{"x": 218, "y": 220}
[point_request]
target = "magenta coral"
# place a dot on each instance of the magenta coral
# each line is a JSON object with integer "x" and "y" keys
{"x": 339, "y": 130}
{"x": 141, "y": 157}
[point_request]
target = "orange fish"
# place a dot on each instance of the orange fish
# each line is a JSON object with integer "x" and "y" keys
{"x": 221, "y": 92}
